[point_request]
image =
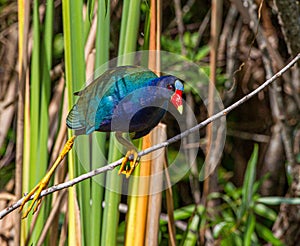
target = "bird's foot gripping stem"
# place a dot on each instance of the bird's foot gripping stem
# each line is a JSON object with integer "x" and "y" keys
{"x": 37, "y": 190}
{"x": 128, "y": 169}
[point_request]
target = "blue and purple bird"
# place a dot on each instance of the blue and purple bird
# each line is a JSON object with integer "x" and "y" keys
{"x": 126, "y": 99}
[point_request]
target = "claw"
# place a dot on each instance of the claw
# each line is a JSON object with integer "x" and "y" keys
{"x": 37, "y": 190}
{"x": 128, "y": 169}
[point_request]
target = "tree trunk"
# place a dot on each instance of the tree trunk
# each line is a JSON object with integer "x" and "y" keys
{"x": 287, "y": 225}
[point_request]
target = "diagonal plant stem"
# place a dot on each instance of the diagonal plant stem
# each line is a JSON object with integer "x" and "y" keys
{"x": 174, "y": 139}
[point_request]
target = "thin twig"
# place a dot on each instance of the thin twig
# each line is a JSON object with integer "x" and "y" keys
{"x": 180, "y": 25}
{"x": 186, "y": 8}
{"x": 261, "y": 138}
{"x": 201, "y": 30}
{"x": 174, "y": 139}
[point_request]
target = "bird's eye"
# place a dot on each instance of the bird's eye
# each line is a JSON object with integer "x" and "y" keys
{"x": 170, "y": 87}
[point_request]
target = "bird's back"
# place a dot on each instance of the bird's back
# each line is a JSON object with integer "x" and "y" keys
{"x": 97, "y": 101}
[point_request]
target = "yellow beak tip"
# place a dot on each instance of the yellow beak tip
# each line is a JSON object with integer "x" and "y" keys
{"x": 180, "y": 109}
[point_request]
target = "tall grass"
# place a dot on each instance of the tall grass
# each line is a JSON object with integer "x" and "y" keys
{"x": 36, "y": 165}
{"x": 99, "y": 139}
{"x": 89, "y": 195}
{"x": 75, "y": 77}
{"x": 22, "y": 144}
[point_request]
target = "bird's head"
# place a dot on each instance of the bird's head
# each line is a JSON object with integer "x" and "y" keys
{"x": 175, "y": 85}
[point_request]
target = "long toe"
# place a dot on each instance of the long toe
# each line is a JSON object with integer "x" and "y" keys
{"x": 128, "y": 169}
{"x": 37, "y": 190}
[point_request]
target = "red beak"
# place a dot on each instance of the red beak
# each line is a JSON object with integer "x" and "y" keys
{"x": 176, "y": 99}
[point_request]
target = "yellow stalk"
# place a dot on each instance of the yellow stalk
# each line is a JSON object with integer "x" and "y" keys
{"x": 137, "y": 214}
{"x": 23, "y": 22}
{"x": 136, "y": 229}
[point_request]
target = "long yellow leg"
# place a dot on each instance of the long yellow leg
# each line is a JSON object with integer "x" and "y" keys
{"x": 45, "y": 180}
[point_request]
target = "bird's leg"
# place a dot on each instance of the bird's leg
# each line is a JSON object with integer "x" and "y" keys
{"x": 45, "y": 180}
{"x": 131, "y": 150}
